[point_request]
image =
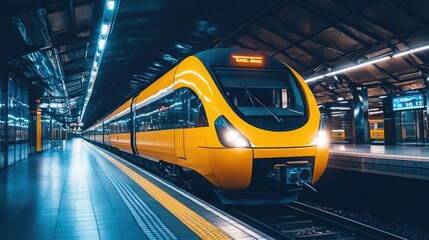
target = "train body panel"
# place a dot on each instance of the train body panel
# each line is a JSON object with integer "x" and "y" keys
{"x": 157, "y": 145}
{"x": 231, "y": 168}
{"x": 320, "y": 163}
{"x": 121, "y": 141}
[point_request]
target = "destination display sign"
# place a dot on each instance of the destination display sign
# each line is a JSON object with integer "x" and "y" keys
{"x": 408, "y": 102}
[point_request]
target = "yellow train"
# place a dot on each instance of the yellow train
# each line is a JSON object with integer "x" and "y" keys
{"x": 240, "y": 120}
{"x": 376, "y": 129}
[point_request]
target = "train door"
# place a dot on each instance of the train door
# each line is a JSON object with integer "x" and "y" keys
{"x": 133, "y": 128}
{"x": 178, "y": 113}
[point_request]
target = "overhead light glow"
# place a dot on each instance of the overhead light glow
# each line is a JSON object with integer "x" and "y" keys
{"x": 56, "y": 105}
{"x": 104, "y": 29}
{"x": 339, "y": 108}
{"x": 314, "y": 78}
{"x": 411, "y": 51}
{"x": 108, "y": 18}
{"x": 375, "y": 112}
{"x": 111, "y": 5}
{"x": 101, "y": 44}
{"x": 357, "y": 66}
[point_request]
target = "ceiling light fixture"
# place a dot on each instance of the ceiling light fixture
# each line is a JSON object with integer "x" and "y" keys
{"x": 104, "y": 29}
{"x": 413, "y": 50}
{"x": 357, "y": 66}
{"x": 101, "y": 44}
{"x": 111, "y": 5}
{"x": 108, "y": 18}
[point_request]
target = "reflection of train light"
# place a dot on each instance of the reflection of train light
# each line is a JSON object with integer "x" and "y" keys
{"x": 252, "y": 134}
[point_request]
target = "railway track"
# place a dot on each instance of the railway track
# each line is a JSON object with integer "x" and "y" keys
{"x": 300, "y": 221}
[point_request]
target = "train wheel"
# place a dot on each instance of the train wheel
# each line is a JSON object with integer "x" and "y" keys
{"x": 169, "y": 172}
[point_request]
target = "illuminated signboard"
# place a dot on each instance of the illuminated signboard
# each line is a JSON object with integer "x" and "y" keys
{"x": 248, "y": 59}
{"x": 408, "y": 102}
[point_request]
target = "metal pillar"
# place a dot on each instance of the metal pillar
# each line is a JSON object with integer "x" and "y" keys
{"x": 389, "y": 117}
{"x": 360, "y": 119}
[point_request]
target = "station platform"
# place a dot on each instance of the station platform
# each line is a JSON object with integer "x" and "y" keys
{"x": 400, "y": 160}
{"x": 84, "y": 192}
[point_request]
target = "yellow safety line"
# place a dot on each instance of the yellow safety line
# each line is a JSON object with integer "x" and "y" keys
{"x": 199, "y": 225}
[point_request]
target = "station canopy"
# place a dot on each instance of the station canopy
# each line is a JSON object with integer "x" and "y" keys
{"x": 57, "y": 48}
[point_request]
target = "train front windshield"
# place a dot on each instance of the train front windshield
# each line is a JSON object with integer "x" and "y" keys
{"x": 258, "y": 95}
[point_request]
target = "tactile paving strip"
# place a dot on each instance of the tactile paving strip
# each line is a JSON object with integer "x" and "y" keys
{"x": 199, "y": 225}
{"x": 148, "y": 221}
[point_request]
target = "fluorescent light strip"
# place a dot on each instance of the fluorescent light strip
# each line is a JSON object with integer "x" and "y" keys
{"x": 111, "y": 5}
{"x": 101, "y": 44}
{"x": 314, "y": 78}
{"x": 104, "y": 29}
{"x": 357, "y": 66}
{"x": 411, "y": 51}
{"x": 368, "y": 63}
{"x": 107, "y": 17}
{"x": 339, "y": 108}
{"x": 375, "y": 112}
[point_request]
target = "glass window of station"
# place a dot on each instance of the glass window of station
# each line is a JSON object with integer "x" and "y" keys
{"x": 392, "y": 119}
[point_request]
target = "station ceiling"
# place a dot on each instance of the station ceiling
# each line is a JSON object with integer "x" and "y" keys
{"x": 52, "y": 44}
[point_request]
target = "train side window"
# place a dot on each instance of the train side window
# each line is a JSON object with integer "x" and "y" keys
{"x": 178, "y": 108}
{"x": 164, "y": 115}
{"x": 196, "y": 113}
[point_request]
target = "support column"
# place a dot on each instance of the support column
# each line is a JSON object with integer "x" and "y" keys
{"x": 389, "y": 122}
{"x": 360, "y": 115}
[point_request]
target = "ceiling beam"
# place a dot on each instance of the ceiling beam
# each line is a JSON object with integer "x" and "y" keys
{"x": 297, "y": 45}
{"x": 276, "y": 49}
{"x": 330, "y": 19}
{"x": 227, "y": 37}
{"x": 304, "y": 37}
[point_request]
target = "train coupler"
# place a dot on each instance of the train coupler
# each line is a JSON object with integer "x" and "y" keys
{"x": 294, "y": 173}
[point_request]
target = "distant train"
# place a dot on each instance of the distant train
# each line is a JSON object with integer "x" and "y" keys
{"x": 376, "y": 132}
{"x": 240, "y": 120}
{"x": 376, "y": 129}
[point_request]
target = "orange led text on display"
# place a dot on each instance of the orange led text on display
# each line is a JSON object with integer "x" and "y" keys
{"x": 248, "y": 59}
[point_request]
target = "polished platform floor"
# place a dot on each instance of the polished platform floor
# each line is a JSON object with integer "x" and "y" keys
{"x": 82, "y": 192}
{"x": 400, "y": 160}
{"x": 397, "y": 151}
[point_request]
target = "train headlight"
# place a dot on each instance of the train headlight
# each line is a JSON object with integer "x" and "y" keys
{"x": 322, "y": 138}
{"x": 228, "y": 135}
